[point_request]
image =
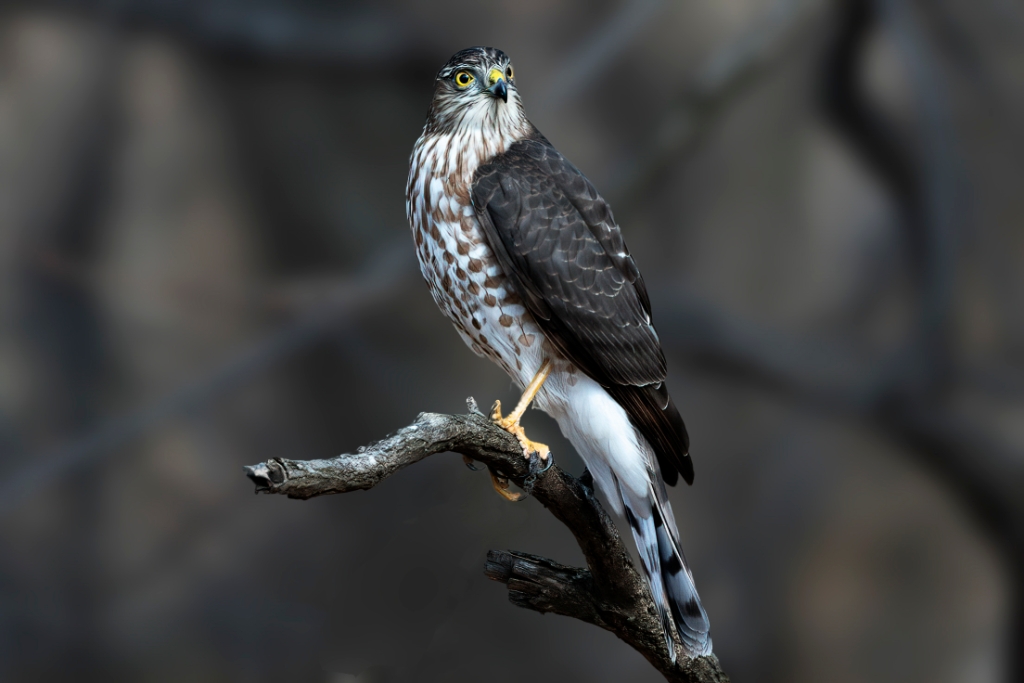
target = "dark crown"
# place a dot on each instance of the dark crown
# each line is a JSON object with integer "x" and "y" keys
{"x": 473, "y": 56}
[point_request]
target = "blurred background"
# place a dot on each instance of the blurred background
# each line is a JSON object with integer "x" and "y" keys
{"x": 204, "y": 263}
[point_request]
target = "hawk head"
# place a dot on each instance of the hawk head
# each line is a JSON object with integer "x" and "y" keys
{"x": 477, "y": 89}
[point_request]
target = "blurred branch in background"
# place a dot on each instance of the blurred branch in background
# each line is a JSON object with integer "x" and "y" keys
{"x": 723, "y": 77}
{"x": 609, "y": 593}
{"x": 902, "y": 391}
{"x": 316, "y": 34}
{"x": 381, "y": 278}
{"x": 591, "y": 59}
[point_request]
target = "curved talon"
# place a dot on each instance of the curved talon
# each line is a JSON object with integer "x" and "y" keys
{"x": 511, "y": 425}
{"x": 496, "y": 414}
{"x": 530, "y": 447}
{"x": 469, "y": 463}
{"x": 536, "y": 470}
{"x": 549, "y": 461}
{"x": 500, "y": 483}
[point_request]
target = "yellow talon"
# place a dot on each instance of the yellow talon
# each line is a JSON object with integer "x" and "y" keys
{"x": 511, "y": 423}
{"x": 515, "y": 429}
{"x": 500, "y": 484}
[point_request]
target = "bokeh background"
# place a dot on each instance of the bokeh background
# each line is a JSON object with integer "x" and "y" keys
{"x": 204, "y": 263}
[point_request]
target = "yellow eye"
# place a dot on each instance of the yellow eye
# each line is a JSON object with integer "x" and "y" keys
{"x": 463, "y": 78}
{"x": 508, "y": 72}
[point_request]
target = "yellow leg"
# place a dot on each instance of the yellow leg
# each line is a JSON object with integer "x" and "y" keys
{"x": 511, "y": 423}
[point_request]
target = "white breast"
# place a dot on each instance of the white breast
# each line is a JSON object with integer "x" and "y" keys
{"x": 464, "y": 277}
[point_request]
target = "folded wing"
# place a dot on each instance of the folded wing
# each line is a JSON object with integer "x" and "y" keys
{"x": 557, "y": 240}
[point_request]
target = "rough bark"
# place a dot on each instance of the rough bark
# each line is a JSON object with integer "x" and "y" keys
{"x": 609, "y": 593}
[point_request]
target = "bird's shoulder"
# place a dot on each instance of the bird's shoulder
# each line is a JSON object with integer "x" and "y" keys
{"x": 534, "y": 185}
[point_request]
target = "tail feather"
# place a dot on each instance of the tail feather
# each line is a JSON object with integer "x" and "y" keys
{"x": 630, "y": 475}
{"x": 691, "y": 620}
{"x": 670, "y": 579}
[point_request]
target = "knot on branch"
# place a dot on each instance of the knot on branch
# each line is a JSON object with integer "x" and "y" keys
{"x": 266, "y": 475}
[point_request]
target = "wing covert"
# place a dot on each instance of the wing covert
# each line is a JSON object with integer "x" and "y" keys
{"x": 556, "y": 239}
{"x": 552, "y": 232}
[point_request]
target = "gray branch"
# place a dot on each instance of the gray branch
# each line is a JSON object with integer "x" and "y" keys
{"x": 609, "y": 593}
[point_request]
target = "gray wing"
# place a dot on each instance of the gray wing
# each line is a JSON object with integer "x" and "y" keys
{"x": 557, "y": 240}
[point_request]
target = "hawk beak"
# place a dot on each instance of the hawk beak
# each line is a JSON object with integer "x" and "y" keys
{"x": 498, "y": 86}
{"x": 499, "y": 89}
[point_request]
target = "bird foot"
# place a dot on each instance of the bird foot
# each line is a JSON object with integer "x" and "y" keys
{"x": 511, "y": 425}
{"x": 500, "y": 483}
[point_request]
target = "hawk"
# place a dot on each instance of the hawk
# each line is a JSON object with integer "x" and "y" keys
{"x": 525, "y": 257}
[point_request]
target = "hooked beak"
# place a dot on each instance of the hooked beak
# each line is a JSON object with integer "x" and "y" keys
{"x": 498, "y": 86}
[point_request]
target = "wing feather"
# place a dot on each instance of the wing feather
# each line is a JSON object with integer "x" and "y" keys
{"x": 556, "y": 239}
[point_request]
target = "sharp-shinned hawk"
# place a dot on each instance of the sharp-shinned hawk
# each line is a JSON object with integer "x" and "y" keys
{"x": 524, "y": 256}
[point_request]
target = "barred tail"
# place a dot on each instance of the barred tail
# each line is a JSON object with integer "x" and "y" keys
{"x": 664, "y": 565}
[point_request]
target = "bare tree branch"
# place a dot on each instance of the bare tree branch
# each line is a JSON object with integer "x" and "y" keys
{"x": 609, "y": 593}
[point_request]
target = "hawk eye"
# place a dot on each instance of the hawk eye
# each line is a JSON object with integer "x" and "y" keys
{"x": 463, "y": 78}
{"x": 508, "y": 72}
